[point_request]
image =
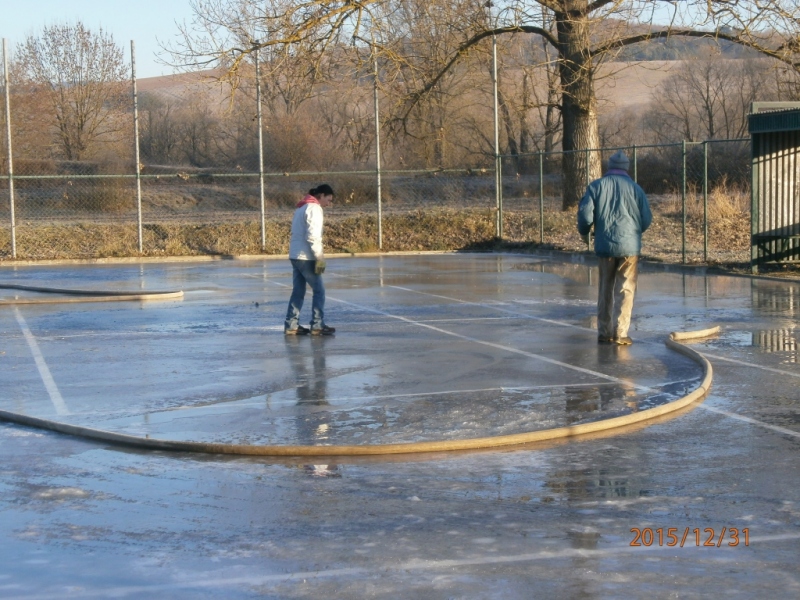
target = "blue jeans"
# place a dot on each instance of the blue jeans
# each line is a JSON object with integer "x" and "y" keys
{"x": 302, "y": 274}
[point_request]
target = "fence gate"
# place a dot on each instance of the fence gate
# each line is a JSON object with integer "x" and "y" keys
{"x": 775, "y": 190}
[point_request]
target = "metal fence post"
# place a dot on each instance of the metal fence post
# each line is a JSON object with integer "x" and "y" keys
{"x": 541, "y": 198}
{"x": 755, "y": 195}
{"x": 683, "y": 203}
{"x": 498, "y": 174}
{"x": 10, "y": 154}
{"x": 377, "y": 147}
{"x": 588, "y": 180}
{"x": 705, "y": 201}
{"x": 635, "y": 165}
{"x": 136, "y": 148}
{"x": 260, "y": 151}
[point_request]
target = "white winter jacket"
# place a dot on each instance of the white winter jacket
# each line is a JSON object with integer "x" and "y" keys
{"x": 306, "y": 240}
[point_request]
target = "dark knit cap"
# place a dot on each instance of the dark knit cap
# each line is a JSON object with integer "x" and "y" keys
{"x": 618, "y": 160}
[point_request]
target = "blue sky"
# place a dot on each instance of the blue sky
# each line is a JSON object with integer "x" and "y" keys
{"x": 145, "y": 21}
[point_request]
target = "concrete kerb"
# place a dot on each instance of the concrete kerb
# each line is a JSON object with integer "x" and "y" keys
{"x": 122, "y": 260}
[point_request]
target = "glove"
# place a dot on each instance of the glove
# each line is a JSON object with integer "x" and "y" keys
{"x": 319, "y": 266}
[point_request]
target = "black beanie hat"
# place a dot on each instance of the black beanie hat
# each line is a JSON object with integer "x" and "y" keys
{"x": 322, "y": 190}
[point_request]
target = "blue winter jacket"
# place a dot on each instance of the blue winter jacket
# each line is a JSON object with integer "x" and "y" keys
{"x": 619, "y": 211}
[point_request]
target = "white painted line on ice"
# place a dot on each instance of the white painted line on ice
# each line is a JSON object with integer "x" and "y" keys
{"x": 251, "y": 329}
{"x": 752, "y": 365}
{"x": 377, "y": 571}
{"x": 340, "y": 400}
{"x": 546, "y": 359}
{"x": 554, "y": 322}
{"x": 493, "y": 307}
{"x": 41, "y": 365}
{"x": 703, "y": 406}
{"x": 777, "y": 428}
{"x": 497, "y": 308}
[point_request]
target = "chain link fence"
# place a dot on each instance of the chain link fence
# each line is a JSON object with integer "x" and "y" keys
{"x": 699, "y": 193}
{"x": 52, "y": 209}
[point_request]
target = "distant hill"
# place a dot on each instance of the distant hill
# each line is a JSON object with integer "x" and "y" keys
{"x": 624, "y": 85}
{"x": 683, "y": 48}
{"x": 177, "y": 86}
{"x": 619, "y": 85}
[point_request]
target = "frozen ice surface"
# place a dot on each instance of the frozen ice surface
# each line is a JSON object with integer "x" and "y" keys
{"x": 407, "y": 364}
{"x": 427, "y": 347}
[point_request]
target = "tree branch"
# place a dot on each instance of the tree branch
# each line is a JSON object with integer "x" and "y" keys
{"x": 464, "y": 49}
{"x": 711, "y": 35}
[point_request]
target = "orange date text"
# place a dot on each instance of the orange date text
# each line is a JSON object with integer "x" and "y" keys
{"x": 707, "y": 537}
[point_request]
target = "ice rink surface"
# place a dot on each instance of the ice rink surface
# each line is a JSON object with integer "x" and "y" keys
{"x": 427, "y": 347}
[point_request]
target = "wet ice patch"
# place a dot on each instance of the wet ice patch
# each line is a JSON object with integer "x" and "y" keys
{"x": 22, "y": 433}
{"x": 559, "y": 301}
{"x": 322, "y": 470}
{"x": 60, "y": 493}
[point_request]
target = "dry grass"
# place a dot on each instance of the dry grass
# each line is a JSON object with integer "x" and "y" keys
{"x": 439, "y": 229}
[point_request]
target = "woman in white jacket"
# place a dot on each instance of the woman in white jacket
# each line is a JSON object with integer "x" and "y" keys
{"x": 308, "y": 262}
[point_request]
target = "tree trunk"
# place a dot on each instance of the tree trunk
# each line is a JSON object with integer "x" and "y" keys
{"x": 508, "y": 124}
{"x": 579, "y": 105}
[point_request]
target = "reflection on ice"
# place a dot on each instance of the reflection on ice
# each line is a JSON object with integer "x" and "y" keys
{"x": 405, "y": 418}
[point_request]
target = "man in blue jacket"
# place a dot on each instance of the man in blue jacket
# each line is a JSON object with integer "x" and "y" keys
{"x": 618, "y": 210}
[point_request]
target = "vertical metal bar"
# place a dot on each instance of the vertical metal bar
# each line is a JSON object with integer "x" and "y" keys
{"x": 10, "y": 154}
{"x": 705, "y": 201}
{"x": 136, "y": 148}
{"x": 498, "y": 174}
{"x": 588, "y": 176}
{"x": 541, "y": 198}
{"x": 793, "y": 185}
{"x": 774, "y": 224}
{"x": 768, "y": 203}
{"x": 683, "y": 203}
{"x": 377, "y": 146}
{"x": 754, "y": 195}
{"x": 260, "y": 152}
{"x": 635, "y": 165}
{"x": 786, "y": 195}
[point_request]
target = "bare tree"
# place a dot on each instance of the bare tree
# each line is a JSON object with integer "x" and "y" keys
{"x": 528, "y": 94}
{"x": 787, "y": 83}
{"x": 586, "y": 33}
{"x": 414, "y": 40}
{"x": 349, "y": 120}
{"x": 159, "y": 136}
{"x": 31, "y": 137}
{"x": 199, "y": 132}
{"x": 82, "y": 75}
{"x": 709, "y": 98}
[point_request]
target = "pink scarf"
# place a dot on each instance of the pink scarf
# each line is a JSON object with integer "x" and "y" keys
{"x": 309, "y": 199}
